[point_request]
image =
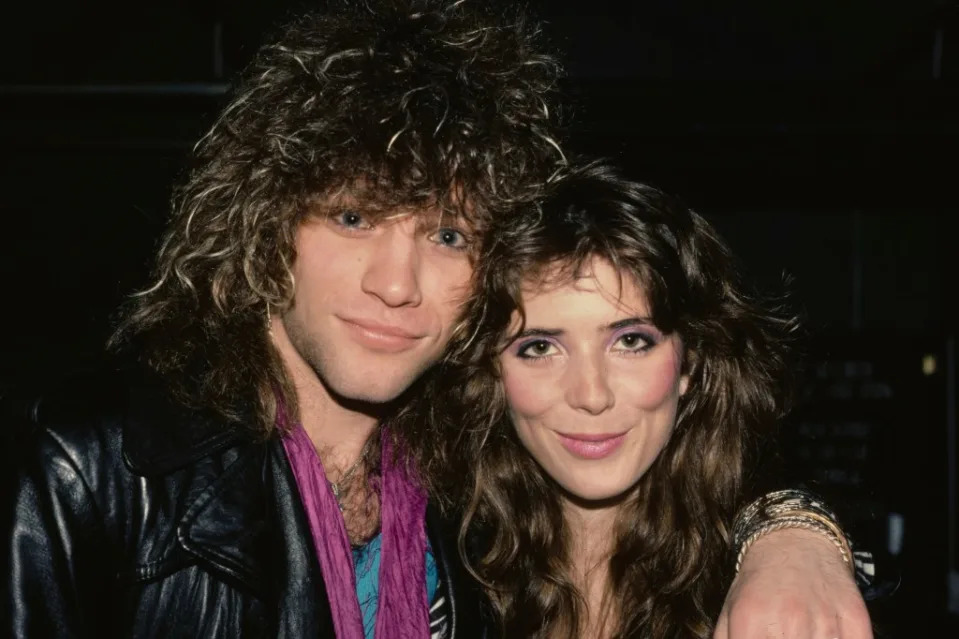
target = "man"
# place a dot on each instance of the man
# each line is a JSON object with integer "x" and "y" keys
{"x": 313, "y": 270}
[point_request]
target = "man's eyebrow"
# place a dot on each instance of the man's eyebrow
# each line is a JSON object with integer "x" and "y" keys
{"x": 443, "y": 218}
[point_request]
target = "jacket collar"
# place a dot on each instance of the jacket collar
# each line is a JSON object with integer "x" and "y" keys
{"x": 243, "y": 518}
{"x": 227, "y": 523}
{"x": 219, "y": 480}
{"x": 248, "y": 524}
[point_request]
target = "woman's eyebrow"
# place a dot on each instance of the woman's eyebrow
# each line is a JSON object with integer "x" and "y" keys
{"x": 557, "y": 332}
{"x": 629, "y": 321}
{"x": 540, "y": 332}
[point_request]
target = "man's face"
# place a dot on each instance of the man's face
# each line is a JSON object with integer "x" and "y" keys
{"x": 375, "y": 297}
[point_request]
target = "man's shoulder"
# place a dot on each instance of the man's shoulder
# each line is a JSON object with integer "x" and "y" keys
{"x": 70, "y": 408}
{"x": 64, "y": 429}
{"x": 108, "y": 416}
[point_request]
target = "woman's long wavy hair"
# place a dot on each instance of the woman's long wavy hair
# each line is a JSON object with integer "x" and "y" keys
{"x": 405, "y": 103}
{"x": 669, "y": 568}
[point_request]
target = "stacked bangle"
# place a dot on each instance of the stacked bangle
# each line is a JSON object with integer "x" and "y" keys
{"x": 788, "y": 509}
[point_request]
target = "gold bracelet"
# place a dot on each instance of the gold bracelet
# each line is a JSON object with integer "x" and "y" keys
{"x": 836, "y": 534}
{"x": 799, "y": 506}
{"x": 800, "y": 520}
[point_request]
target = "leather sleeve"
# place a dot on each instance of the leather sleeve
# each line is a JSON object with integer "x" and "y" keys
{"x": 55, "y": 557}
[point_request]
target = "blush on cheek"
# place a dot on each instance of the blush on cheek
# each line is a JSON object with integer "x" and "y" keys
{"x": 527, "y": 396}
{"x": 660, "y": 382}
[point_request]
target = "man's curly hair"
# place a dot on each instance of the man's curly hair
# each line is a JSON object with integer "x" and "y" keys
{"x": 405, "y": 103}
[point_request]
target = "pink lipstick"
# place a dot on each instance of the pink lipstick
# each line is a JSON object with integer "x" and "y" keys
{"x": 592, "y": 446}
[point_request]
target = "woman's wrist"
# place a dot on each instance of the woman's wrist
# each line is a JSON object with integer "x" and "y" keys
{"x": 784, "y": 509}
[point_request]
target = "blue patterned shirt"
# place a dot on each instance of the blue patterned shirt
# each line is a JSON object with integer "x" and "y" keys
{"x": 366, "y": 560}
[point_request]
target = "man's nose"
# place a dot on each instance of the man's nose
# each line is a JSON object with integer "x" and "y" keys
{"x": 392, "y": 271}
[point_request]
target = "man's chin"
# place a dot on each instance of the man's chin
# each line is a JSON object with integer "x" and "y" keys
{"x": 372, "y": 390}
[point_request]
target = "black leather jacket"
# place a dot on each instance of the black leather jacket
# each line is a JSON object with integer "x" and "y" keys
{"x": 131, "y": 517}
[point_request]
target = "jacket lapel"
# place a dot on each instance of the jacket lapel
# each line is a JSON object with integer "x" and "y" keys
{"x": 303, "y": 608}
{"x": 227, "y": 525}
{"x": 243, "y": 518}
{"x": 249, "y": 524}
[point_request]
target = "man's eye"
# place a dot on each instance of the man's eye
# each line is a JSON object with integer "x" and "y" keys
{"x": 451, "y": 238}
{"x": 350, "y": 219}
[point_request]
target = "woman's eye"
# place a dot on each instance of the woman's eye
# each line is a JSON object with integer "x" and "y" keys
{"x": 451, "y": 238}
{"x": 634, "y": 342}
{"x": 532, "y": 350}
{"x": 350, "y": 219}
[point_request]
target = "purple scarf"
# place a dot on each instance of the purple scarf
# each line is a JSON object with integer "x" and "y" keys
{"x": 402, "y": 610}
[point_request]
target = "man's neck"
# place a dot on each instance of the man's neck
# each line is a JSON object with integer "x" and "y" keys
{"x": 338, "y": 431}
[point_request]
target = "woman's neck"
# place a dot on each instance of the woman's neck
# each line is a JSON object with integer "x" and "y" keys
{"x": 592, "y": 537}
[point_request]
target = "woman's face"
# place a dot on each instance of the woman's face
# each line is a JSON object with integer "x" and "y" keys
{"x": 592, "y": 385}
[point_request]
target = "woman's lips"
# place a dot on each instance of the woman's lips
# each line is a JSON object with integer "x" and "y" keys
{"x": 590, "y": 446}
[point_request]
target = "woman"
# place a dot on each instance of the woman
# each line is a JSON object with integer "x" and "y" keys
{"x": 629, "y": 378}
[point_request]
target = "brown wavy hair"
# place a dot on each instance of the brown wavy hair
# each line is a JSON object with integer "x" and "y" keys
{"x": 401, "y": 102}
{"x": 669, "y": 566}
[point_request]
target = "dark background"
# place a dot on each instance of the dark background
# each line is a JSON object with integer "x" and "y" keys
{"x": 820, "y": 137}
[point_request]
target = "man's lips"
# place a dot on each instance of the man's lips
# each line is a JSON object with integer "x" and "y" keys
{"x": 591, "y": 445}
{"x": 382, "y": 329}
{"x": 383, "y": 337}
